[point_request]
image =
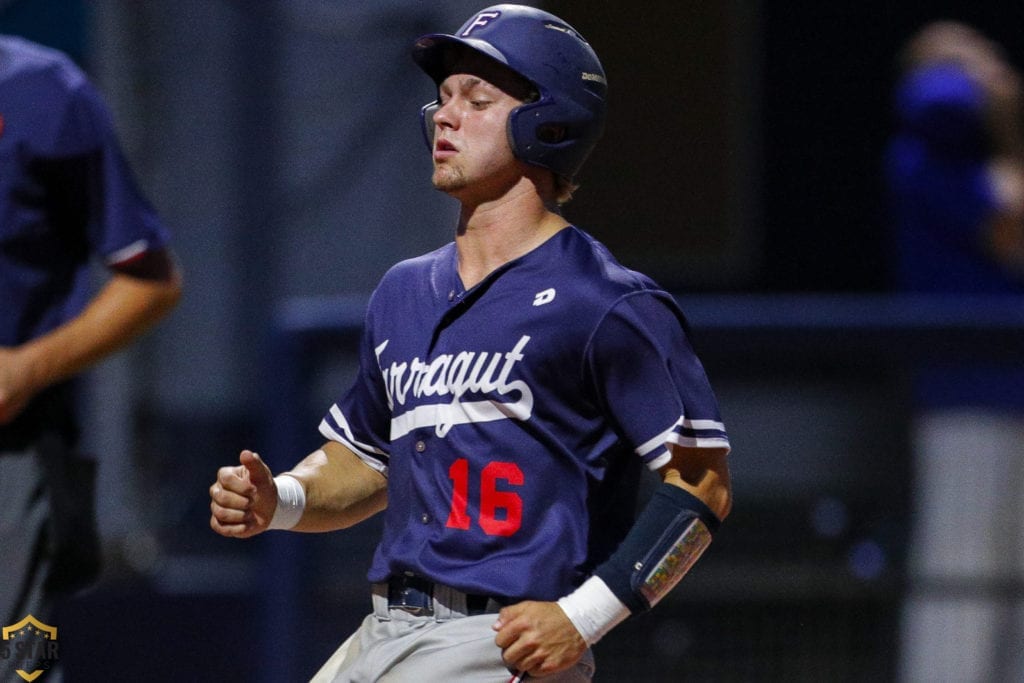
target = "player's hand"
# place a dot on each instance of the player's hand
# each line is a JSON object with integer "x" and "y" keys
{"x": 244, "y": 498}
{"x": 538, "y": 638}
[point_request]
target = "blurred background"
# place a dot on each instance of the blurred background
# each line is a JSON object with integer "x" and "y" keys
{"x": 741, "y": 168}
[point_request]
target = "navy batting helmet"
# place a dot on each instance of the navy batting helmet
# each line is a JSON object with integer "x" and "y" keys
{"x": 557, "y": 130}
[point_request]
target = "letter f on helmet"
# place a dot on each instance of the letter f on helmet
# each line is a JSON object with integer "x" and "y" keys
{"x": 479, "y": 21}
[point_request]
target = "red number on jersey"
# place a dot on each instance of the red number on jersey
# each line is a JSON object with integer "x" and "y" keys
{"x": 491, "y": 498}
{"x": 459, "y": 474}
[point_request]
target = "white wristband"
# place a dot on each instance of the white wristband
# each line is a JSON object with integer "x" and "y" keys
{"x": 593, "y": 609}
{"x": 291, "y": 501}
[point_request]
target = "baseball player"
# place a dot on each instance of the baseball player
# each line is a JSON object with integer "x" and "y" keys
{"x": 511, "y": 386}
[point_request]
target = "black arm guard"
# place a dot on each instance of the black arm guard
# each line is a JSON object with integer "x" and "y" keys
{"x": 668, "y": 537}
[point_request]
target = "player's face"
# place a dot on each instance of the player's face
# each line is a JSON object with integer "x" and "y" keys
{"x": 471, "y": 149}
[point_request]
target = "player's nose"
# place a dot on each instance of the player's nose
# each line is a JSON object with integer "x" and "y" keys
{"x": 445, "y": 116}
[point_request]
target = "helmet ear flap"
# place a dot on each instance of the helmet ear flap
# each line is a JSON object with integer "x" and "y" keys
{"x": 529, "y": 134}
{"x": 551, "y": 133}
{"x": 427, "y": 122}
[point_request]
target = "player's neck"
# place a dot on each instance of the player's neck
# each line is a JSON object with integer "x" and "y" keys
{"x": 493, "y": 233}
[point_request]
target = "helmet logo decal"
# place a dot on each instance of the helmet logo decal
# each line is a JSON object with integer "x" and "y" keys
{"x": 480, "y": 21}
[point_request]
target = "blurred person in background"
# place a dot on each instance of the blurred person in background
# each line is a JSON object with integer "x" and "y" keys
{"x": 67, "y": 199}
{"x": 955, "y": 174}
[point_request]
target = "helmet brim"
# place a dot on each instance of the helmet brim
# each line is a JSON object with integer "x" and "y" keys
{"x": 437, "y": 53}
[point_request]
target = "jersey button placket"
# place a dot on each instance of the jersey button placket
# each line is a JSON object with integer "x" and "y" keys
{"x": 420, "y": 446}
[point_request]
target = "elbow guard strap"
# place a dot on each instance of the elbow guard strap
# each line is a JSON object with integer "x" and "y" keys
{"x": 669, "y": 536}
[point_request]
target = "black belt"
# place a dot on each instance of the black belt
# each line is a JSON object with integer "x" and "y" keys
{"x": 415, "y": 595}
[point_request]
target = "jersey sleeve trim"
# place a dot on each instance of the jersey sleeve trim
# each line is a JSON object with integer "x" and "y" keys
{"x": 685, "y": 432}
{"x": 126, "y": 254}
{"x": 336, "y": 428}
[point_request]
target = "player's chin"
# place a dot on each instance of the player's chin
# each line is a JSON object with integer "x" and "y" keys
{"x": 447, "y": 178}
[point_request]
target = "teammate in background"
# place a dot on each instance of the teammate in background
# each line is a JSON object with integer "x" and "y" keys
{"x": 956, "y": 165}
{"x": 512, "y": 385}
{"x": 955, "y": 169}
{"x": 67, "y": 196}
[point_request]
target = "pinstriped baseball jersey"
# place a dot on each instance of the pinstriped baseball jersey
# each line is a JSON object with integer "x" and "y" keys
{"x": 512, "y": 419}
